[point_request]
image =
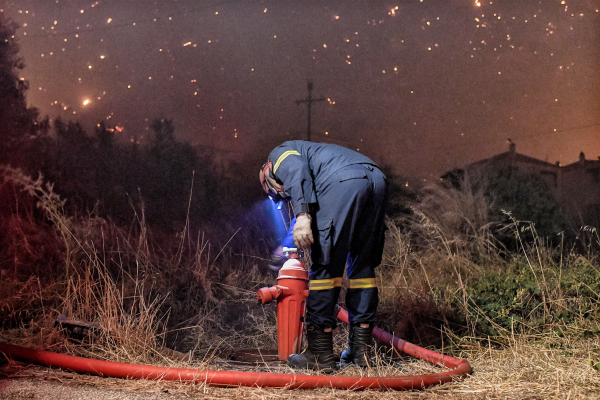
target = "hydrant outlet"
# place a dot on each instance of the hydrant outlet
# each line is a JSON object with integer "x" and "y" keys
{"x": 267, "y": 294}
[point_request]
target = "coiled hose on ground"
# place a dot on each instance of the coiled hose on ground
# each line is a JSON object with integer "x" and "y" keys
{"x": 459, "y": 368}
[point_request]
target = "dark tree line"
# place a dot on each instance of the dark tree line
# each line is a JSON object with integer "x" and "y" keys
{"x": 98, "y": 174}
{"x": 17, "y": 121}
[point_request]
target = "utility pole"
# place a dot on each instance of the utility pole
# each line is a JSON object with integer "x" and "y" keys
{"x": 309, "y": 100}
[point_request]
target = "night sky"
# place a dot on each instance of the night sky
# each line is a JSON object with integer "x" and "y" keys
{"x": 421, "y": 85}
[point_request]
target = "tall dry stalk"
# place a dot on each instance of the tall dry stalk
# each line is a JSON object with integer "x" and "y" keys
{"x": 51, "y": 204}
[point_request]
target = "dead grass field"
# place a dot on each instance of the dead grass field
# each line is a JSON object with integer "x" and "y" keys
{"x": 443, "y": 283}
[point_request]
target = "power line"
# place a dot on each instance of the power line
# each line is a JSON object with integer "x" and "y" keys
{"x": 309, "y": 100}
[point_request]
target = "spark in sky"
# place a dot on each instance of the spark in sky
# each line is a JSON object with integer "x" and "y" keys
{"x": 402, "y": 76}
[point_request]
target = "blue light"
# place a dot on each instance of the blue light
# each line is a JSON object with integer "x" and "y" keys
{"x": 277, "y": 218}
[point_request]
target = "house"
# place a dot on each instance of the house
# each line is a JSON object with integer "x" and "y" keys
{"x": 576, "y": 186}
{"x": 579, "y": 190}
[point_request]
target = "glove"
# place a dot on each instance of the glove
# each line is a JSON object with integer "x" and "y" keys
{"x": 303, "y": 236}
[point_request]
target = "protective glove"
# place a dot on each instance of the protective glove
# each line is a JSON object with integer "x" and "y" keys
{"x": 303, "y": 236}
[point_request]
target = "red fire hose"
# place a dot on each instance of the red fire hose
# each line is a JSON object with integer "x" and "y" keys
{"x": 113, "y": 369}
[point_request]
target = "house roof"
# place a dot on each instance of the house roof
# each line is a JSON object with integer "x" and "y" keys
{"x": 513, "y": 156}
{"x": 507, "y": 156}
{"x": 586, "y": 164}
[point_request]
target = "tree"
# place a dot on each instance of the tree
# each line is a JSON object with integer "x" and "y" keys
{"x": 400, "y": 195}
{"x": 18, "y": 121}
{"x": 525, "y": 195}
{"x": 167, "y": 181}
{"x": 75, "y": 177}
{"x": 105, "y": 164}
{"x": 163, "y": 139}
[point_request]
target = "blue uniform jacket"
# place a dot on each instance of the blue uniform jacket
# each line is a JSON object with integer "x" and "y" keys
{"x": 304, "y": 166}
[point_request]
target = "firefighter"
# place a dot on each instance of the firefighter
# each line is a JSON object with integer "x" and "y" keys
{"x": 338, "y": 197}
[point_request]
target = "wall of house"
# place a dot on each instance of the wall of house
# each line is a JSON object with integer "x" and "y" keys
{"x": 550, "y": 173}
{"x": 580, "y": 191}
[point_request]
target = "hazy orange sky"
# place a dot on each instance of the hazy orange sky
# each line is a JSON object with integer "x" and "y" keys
{"x": 421, "y": 85}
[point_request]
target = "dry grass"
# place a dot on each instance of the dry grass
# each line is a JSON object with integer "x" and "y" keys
{"x": 145, "y": 292}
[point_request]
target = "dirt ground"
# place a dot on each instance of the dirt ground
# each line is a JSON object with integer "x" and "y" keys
{"x": 41, "y": 389}
{"x": 28, "y": 388}
{"x": 20, "y": 381}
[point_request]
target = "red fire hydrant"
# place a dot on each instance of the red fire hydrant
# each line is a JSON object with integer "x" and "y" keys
{"x": 291, "y": 292}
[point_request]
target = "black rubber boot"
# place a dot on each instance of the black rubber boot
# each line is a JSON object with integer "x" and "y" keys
{"x": 359, "y": 349}
{"x": 319, "y": 353}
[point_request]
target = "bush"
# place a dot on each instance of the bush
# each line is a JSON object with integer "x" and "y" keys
{"x": 516, "y": 300}
{"x": 525, "y": 195}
